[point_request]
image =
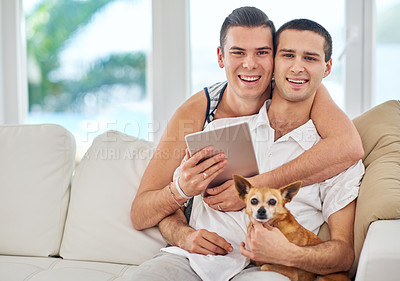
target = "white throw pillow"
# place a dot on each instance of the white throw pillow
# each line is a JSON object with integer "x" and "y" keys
{"x": 98, "y": 226}
{"x": 36, "y": 165}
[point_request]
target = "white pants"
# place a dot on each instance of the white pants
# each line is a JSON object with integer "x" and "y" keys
{"x": 170, "y": 267}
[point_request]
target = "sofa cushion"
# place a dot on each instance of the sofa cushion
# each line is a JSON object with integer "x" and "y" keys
{"x": 98, "y": 226}
{"x": 36, "y": 165}
{"x": 14, "y": 268}
{"x": 379, "y": 196}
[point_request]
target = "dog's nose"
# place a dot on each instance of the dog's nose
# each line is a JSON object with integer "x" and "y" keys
{"x": 261, "y": 213}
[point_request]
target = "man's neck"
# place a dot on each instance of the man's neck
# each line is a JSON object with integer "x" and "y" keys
{"x": 285, "y": 116}
{"x": 233, "y": 105}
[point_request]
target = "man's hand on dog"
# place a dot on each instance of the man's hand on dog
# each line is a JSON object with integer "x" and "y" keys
{"x": 205, "y": 242}
{"x": 225, "y": 196}
{"x": 266, "y": 244}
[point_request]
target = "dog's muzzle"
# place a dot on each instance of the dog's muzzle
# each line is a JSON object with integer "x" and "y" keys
{"x": 261, "y": 214}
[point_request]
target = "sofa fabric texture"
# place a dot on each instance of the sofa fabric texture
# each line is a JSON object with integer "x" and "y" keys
{"x": 379, "y": 196}
{"x": 98, "y": 226}
{"x": 36, "y": 165}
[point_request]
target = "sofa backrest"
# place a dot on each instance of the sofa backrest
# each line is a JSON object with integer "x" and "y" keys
{"x": 98, "y": 226}
{"x": 36, "y": 163}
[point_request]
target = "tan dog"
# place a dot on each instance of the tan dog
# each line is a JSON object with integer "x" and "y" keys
{"x": 268, "y": 205}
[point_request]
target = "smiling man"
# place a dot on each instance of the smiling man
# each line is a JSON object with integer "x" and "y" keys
{"x": 303, "y": 59}
{"x": 208, "y": 247}
{"x": 247, "y": 56}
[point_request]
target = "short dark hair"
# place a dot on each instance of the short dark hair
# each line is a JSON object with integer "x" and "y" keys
{"x": 248, "y": 17}
{"x": 306, "y": 24}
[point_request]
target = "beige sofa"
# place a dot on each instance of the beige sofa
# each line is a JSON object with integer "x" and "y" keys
{"x": 45, "y": 216}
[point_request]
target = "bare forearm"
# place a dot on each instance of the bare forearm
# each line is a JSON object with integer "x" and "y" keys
{"x": 324, "y": 160}
{"x": 339, "y": 148}
{"x": 162, "y": 203}
{"x": 328, "y": 257}
{"x": 175, "y": 229}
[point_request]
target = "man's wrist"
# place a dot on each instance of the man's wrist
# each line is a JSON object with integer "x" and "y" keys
{"x": 293, "y": 255}
{"x": 180, "y": 191}
{"x": 186, "y": 230}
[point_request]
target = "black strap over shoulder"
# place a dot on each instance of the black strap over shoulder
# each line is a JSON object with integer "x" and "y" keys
{"x": 188, "y": 209}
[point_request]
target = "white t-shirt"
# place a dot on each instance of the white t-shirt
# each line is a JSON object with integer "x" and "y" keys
{"x": 311, "y": 206}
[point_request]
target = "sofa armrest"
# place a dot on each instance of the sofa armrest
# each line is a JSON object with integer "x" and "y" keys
{"x": 379, "y": 197}
{"x": 380, "y": 256}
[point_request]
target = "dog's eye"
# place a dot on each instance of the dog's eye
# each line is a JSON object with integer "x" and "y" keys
{"x": 272, "y": 202}
{"x": 254, "y": 201}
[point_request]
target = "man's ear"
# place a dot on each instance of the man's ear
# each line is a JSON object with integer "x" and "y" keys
{"x": 220, "y": 57}
{"x": 328, "y": 68}
{"x": 242, "y": 186}
{"x": 290, "y": 190}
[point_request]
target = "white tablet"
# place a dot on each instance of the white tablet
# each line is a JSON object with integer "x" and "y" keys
{"x": 235, "y": 141}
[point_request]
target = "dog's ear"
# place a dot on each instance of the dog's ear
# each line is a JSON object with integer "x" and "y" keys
{"x": 290, "y": 190}
{"x": 242, "y": 186}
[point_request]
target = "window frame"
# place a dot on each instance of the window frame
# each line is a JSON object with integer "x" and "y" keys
{"x": 360, "y": 56}
{"x": 169, "y": 68}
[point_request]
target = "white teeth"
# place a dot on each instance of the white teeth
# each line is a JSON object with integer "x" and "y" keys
{"x": 250, "y": 79}
{"x": 297, "y": 81}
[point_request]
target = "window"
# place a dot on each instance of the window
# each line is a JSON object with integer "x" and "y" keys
{"x": 207, "y": 16}
{"x": 387, "y": 50}
{"x": 369, "y": 63}
{"x": 86, "y": 66}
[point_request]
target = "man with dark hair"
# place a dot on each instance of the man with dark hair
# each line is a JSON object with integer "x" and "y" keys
{"x": 308, "y": 25}
{"x": 208, "y": 247}
{"x": 245, "y": 16}
{"x": 303, "y": 59}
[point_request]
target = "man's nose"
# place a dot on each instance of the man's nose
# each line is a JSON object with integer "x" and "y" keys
{"x": 297, "y": 65}
{"x": 250, "y": 62}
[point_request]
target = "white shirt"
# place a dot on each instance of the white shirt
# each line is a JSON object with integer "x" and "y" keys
{"x": 311, "y": 206}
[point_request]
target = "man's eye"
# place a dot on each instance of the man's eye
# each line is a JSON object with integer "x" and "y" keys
{"x": 288, "y": 55}
{"x": 272, "y": 202}
{"x": 309, "y": 58}
{"x": 254, "y": 201}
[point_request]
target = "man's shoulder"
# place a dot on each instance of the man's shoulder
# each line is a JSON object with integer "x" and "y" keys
{"x": 194, "y": 108}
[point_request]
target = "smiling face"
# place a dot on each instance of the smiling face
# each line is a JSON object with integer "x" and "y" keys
{"x": 300, "y": 64}
{"x": 248, "y": 60}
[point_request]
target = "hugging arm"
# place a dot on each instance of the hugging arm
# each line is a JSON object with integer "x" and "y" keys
{"x": 339, "y": 148}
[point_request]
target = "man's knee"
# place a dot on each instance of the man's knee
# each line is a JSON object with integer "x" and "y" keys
{"x": 255, "y": 274}
{"x": 165, "y": 267}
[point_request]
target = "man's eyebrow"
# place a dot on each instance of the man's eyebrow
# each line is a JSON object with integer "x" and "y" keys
{"x": 283, "y": 50}
{"x": 264, "y": 48}
{"x": 313, "y": 54}
{"x": 293, "y": 51}
{"x": 236, "y": 48}
{"x": 258, "y": 49}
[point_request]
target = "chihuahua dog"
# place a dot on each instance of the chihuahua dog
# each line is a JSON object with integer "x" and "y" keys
{"x": 267, "y": 205}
